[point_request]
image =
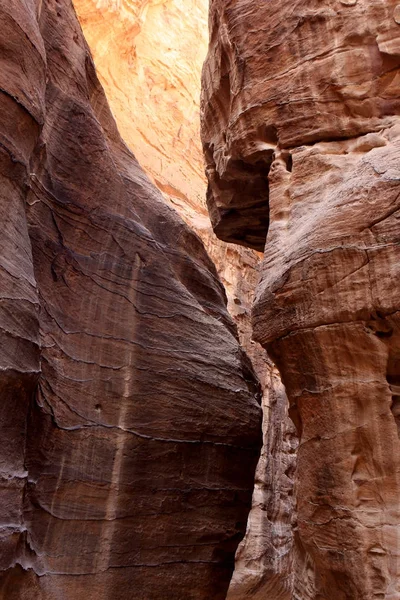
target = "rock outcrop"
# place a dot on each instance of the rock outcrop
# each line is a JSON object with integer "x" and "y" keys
{"x": 129, "y": 420}
{"x": 301, "y": 134}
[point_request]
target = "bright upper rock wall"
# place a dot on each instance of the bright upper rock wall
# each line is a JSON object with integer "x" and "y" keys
{"x": 130, "y": 426}
{"x": 301, "y": 133}
{"x": 148, "y": 55}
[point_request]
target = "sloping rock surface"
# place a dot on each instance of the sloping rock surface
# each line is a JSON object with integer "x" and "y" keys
{"x": 311, "y": 90}
{"x": 130, "y": 422}
{"x": 148, "y": 56}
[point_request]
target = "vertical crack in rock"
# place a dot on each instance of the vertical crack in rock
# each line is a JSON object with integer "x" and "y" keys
{"x": 326, "y": 78}
{"x": 264, "y": 558}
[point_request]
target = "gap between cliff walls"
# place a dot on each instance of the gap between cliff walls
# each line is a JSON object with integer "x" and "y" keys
{"x": 149, "y": 56}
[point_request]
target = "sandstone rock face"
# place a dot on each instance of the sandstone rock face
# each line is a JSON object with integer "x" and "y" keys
{"x": 148, "y": 55}
{"x": 303, "y": 99}
{"x": 130, "y": 419}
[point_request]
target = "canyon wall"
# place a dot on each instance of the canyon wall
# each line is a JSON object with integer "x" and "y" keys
{"x": 148, "y": 56}
{"x": 301, "y": 134}
{"x": 129, "y": 422}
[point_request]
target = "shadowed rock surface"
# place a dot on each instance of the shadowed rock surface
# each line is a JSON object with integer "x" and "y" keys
{"x": 130, "y": 423}
{"x": 312, "y": 91}
{"x": 148, "y": 56}
{"x": 265, "y": 558}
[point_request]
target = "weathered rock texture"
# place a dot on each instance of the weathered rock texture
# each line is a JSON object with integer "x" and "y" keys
{"x": 266, "y": 557}
{"x": 148, "y": 55}
{"x": 300, "y": 105}
{"x": 129, "y": 421}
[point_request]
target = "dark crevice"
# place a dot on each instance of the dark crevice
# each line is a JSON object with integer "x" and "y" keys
{"x": 238, "y": 201}
{"x": 288, "y": 158}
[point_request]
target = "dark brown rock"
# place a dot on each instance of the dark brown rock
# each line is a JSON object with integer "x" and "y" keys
{"x": 130, "y": 423}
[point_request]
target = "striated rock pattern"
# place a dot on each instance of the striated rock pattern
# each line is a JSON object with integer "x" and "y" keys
{"x": 301, "y": 133}
{"x": 148, "y": 55}
{"x": 129, "y": 421}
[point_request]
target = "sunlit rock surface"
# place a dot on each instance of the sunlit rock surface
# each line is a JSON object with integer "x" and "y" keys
{"x": 301, "y": 134}
{"x": 148, "y": 55}
{"x": 129, "y": 421}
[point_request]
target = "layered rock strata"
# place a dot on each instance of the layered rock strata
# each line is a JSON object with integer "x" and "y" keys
{"x": 301, "y": 133}
{"x": 148, "y": 56}
{"x": 130, "y": 420}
